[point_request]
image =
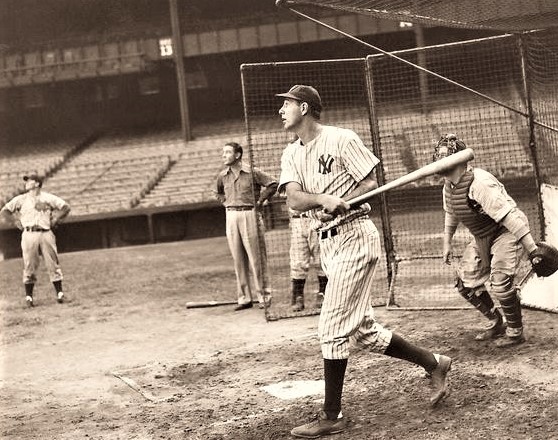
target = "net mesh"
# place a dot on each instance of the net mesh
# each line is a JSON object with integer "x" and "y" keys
{"x": 542, "y": 68}
{"x": 506, "y": 15}
{"x": 406, "y": 111}
{"x": 345, "y": 104}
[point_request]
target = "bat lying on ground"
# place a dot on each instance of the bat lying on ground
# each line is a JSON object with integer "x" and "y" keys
{"x": 425, "y": 171}
{"x": 202, "y": 304}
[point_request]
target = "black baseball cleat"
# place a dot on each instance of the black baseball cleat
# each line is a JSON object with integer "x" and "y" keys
{"x": 29, "y": 301}
{"x": 492, "y": 331}
{"x": 239, "y": 307}
{"x": 60, "y": 297}
{"x": 438, "y": 380}
{"x": 512, "y": 337}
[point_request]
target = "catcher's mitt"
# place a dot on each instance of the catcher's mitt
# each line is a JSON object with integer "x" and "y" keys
{"x": 544, "y": 259}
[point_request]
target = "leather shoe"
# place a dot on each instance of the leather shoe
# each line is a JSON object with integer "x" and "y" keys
{"x": 320, "y": 426}
{"x": 248, "y": 305}
{"x": 438, "y": 379}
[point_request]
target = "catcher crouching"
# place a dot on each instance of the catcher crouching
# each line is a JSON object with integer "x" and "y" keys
{"x": 475, "y": 198}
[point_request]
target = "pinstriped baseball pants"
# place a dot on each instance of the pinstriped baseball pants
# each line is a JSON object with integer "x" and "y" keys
{"x": 304, "y": 251}
{"x": 347, "y": 317}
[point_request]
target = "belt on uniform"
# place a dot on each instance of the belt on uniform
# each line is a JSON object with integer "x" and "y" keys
{"x": 239, "y": 208}
{"x": 301, "y": 215}
{"x": 330, "y": 233}
{"x": 34, "y": 229}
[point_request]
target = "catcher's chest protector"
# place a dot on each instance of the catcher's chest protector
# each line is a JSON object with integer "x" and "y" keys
{"x": 458, "y": 203}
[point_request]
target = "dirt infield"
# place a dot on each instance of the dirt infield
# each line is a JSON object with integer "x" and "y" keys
{"x": 124, "y": 359}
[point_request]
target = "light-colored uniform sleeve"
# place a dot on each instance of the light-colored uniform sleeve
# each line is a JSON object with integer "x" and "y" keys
{"x": 13, "y": 205}
{"x": 289, "y": 172}
{"x": 491, "y": 195}
{"x": 358, "y": 160}
{"x": 450, "y": 220}
{"x": 55, "y": 201}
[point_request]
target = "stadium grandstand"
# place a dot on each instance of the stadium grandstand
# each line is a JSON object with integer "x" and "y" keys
{"x": 91, "y": 98}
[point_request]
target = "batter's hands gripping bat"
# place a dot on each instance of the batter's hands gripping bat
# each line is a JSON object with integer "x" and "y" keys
{"x": 202, "y": 304}
{"x": 425, "y": 171}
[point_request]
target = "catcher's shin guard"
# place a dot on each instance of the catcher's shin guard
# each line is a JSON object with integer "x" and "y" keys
{"x": 506, "y": 292}
{"x": 480, "y": 299}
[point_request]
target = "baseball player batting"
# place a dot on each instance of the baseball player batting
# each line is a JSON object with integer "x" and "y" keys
{"x": 322, "y": 169}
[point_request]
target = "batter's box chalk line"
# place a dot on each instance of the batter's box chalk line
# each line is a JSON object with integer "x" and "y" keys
{"x": 133, "y": 376}
{"x": 153, "y": 370}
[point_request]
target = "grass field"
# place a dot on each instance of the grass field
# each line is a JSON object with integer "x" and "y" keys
{"x": 124, "y": 358}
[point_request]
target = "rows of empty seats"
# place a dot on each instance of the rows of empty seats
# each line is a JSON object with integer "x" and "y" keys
{"x": 115, "y": 172}
{"x": 126, "y": 146}
{"x": 124, "y": 171}
{"x": 15, "y": 161}
{"x": 192, "y": 178}
{"x": 108, "y": 186}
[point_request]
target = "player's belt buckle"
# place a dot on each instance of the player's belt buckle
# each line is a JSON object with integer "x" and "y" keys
{"x": 330, "y": 233}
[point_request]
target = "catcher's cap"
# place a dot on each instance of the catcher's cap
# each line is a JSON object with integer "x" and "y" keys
{"x": 447, "y": 145}
{"x": 306, "y": 94}
{"x": 33, "y": 176}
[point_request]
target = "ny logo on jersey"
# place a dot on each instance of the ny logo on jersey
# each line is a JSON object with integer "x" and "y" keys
{"x": 325, "y": 164}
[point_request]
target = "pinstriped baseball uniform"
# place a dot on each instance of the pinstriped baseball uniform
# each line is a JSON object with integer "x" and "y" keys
{"x": 304, "y": 251}
{"x": 334, "y": 163}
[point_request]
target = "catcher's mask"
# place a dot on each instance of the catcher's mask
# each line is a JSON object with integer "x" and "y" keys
{"x": 448, "y": 145}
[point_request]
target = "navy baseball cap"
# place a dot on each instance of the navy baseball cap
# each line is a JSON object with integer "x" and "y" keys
{"x": 33, "y": 176}
{"x": 306, "y": 94}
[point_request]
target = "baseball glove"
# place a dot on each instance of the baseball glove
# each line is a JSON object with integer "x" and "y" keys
{"x": 544, "y": 259}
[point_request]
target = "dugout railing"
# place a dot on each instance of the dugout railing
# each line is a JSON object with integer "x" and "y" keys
{"x": 400, "y": 112}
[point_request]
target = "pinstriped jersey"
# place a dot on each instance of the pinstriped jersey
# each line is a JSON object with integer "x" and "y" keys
{"x": 332, "y": 163}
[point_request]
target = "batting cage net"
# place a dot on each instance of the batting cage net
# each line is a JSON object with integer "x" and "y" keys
{"x": 504, "y": 15}
{"x": 400, "y": 112}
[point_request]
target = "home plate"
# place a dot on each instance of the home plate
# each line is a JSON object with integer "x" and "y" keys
{"x": 293, "y": 389}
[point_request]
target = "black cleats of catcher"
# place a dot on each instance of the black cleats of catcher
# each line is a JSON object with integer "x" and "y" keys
{"x": 514, "y": 336}
{"x": 438, "y": 379}
{"x": 493, "y": 331}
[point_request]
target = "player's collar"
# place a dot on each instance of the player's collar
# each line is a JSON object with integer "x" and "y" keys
{"x": 238, "y": 167}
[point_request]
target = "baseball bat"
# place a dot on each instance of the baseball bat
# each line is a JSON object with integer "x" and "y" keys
{"x": 202, "y": 304}
{"x": 425, "y": 171}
